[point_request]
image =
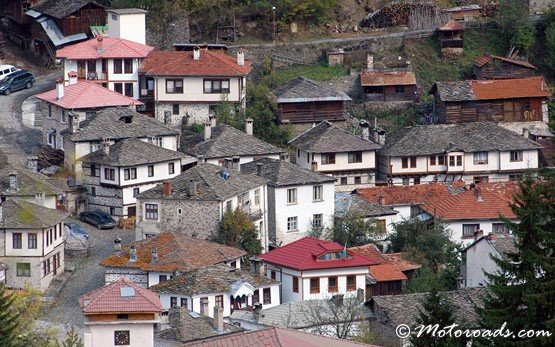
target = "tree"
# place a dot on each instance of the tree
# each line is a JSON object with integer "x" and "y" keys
{"x": 353, "y": 230}
{"x": 522, "y": 293}
{"x": 511, "y": 15}
{"x": 9, "y": 319}
{"x": 550, "y": 40}
{"x": 238, "y": 230}
{"x": 72, "y": 339}
{"x": 524, "y": 37}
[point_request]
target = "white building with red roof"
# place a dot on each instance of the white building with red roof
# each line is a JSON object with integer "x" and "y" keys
{"x": 315, "y": 269}
{"x": 120, "y": 314}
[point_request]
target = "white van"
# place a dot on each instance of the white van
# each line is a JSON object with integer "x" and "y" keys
{"x": 6, "y": 70}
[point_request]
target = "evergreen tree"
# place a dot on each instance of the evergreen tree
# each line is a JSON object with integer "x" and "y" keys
{"x": 72, "y": 339}
{"x": 238, "y": 230}
{"x": 9, "y": 319}
{"x": 352, "y": 230}
{"x": 522, "y": 292}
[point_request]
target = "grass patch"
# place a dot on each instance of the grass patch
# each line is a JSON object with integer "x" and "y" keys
{"x": 317, "y": 72}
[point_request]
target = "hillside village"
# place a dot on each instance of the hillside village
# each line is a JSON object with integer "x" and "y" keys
{"x": 276, "y": 173}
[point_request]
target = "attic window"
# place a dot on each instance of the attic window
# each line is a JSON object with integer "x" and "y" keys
{"x": 126, "y": 119}
{"x": 334, "y": 255}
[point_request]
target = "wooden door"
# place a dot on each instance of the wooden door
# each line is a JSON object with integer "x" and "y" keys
{"x": 131, "y": 211}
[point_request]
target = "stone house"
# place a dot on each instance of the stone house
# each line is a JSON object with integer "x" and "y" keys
{"x": 158, "y": 258}
{"x": 190, "y": 85}
{"x": 31, "y": 243}
{"x": 353, "y": 205}
{"x": 195, "y": 202}
{"x": 116, "y": 174}
{"x": 299, "y": 200}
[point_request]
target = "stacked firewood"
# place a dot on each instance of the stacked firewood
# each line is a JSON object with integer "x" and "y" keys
{"x": 490, "y": 9}
{"x": 49, "y": 156}
{"x": 395, "y": 14}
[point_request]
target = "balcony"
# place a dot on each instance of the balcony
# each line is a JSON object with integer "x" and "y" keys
{"x": 254, "y": 213}
{"x": 95, "y": 76}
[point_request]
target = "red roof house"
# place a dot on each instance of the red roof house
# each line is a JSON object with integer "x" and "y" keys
{"x": 103, "y": 48}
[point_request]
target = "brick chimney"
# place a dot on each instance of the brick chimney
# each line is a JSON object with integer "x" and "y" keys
{"x": 39, "y": 199}
{"x": 99, "y": 45}
{"x": 213, "y": 120}
{"x": 13, "y": 181}
{"x": 259, "y": 167}
{"x": 218, "y": 318}
{"x": 285, "y": 157}
{"x": 32, "y": 163}
{"x": 166, "y": 188}
{"x": 196, "y": 53}
{"x": 73, "y": 122}
{"x": 249, "y": 126}
{"x": 59, "y": 88}
{"x": 365, "y": 126}
{"x": 72, "y": 76}
{"x": 207, "y": 131}
{"x": 478, "y": 194}
{"x": 241, "y": 57}
{"x": 369, "y": 61}
{"x": 478, "y": 234}
{"x": 106, "y": 146}
{"x": 314, "y": 166}
{"x": 132, "y": 254}
{"x": 154, "y": 255}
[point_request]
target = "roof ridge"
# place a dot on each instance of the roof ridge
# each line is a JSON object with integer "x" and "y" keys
{"x": 225, "y": 60}
{"x": 81, "y": 92}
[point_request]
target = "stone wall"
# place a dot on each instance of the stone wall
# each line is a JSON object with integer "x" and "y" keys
{"x": 195, "y": 113}
{"x": 137, "y": 276}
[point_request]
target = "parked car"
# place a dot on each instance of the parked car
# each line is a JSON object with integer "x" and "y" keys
{"x": 6, "y": 70}
{"x": 99, "y": 219}
{"x": 76, "y": 228}
{"x": 16, "y": 81}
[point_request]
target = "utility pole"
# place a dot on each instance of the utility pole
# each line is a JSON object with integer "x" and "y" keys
{"x": 274, "y": 17}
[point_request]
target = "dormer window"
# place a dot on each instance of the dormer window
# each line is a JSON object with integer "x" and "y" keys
{"x": 126, "y": 119}
{"x": 334, "y": 255}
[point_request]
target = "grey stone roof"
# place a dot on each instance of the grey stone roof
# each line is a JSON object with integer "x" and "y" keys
{"x": 110, "y": 124}
{"x": 131, "y": 152}
{"x": 404, "y": 308}
{"x": 20, "y": 214}
{"x": 353, "y": 203}
{"x": 208, "y": 280}
{"x": 61, "y": 8}
{"x": 504, "y": 244}
{"x": 302, "y": 89}
{"x": 465, "y": 137}
{"x": 28, "y": 183}
{"x": 210, "y": 184}
{"x": 226, "y": 141}
{"x": 454, "y": 91}
{"x": 282, "y": 173}
{"x": 328, "y": 138}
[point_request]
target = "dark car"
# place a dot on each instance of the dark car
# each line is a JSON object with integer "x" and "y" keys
{"x": 76, "y": 228}
{"x": 16, "y": 81}
{"x": 99, "y": 219}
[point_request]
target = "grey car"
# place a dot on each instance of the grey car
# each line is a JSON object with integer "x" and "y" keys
{"x": 22, "y": 79}
{"x": 99, "y": 219}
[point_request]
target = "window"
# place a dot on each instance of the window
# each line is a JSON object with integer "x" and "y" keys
{"x": 527, "y": 106}
{"x": 355, "y": 157}
{"x": 171, "y": 168}
{"x": 432, "y": 160}
{"x": 216, "y": 86}
{"x": 292, "y": 196}
{"x": 415, "y": 210}
{"x": 174, "y": 86}
{"x": 122, "y": 316}
{"x": 405, "y": 162}
{"x": 23, "y": 269}
{"x": 179, "y": 212}
{"x": 32, "y": 241}
{"x": 399, "y": 89}
{"x": 412, "y": 162}
{"x": 150, "y": 170}
{"x": 121, "y": 338}
{"x": 351, "y": 282}
{"x": 441, "y": 160}
{"x": 93, "y": 191}
{"x": 307, "y": 158}
{"x": 49, "y": 111}
{"x": 499, "y": 228}
{"x": 357, "y": 180}
{"x": 295, "y": 284}
{"x": 173, "y": 301}
{"x": 162, "y": 278}
{"x": 62, "y": 116}
{"x": 128, "y": 89}
{"x": 175, "y": 109}
{"x": 273, "y": 274}
{"x": 112, "y": 211}
{"x": 315, "y": 286}
{"x": 374, "y": 90}
{"x": 406, "y": 181}
{"x": 257, "y": 196}
{"x": 317, "y": 193}
{"x": 343, "y": 181}
{"x": 130, "y": 174}
{"x": 109, "y": 174}
{"x": 151, "y": 211}
{"x": 328, "y": 158}
{"x": 317, "y": 221}
{"x": 16, "y": 237}
{"x": 516, "y": 156}
{"x": 159, "y": 141}
{"x": 480, "y": 179}
{"x": 292, "y": 224}
{"x": 220, "y": 301}
{"x": 136, "y": 191}
{"x": 118, "y": 88}
{"x": 95, "y": 171}
{"x": 455, "y": 160}
{"x": 128, "y": 66}
{"x": 332, "y": 284}
{"x": 469, "y": 230}
{"x": 480, "y": 158}
{"x": 46, "y": 267}
{"x": 184, "y": 302}
{"x": 266, "y": 296}
{"x": 229, "y": 205}
{"x": 515, "y": 177}
{"x": 118, "y": 69}
{"x": 114, "y": 17}
{"x": 416, "y": 180}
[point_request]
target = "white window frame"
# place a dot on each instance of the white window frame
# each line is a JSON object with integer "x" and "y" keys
{"x": 317, "y": 193}
{"x": 291, "y": 196}
{"x": 292, "y": 223}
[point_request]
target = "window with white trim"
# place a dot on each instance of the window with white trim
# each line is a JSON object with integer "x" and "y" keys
{"x": 292, "y": 224}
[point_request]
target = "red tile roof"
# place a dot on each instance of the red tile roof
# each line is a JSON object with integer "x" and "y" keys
{"x": 87, "y": 95}
{"x": 452, "y": 26}
{"x": 530, "y": 87}
{"x": 112, "y": 48}
{"x": 386, "y": 272}
{"x": 387, "y": 78}
{"x": 390, "y": 267}
{"x": 397, "y": 260}
{"x": 369, "y": 251}
{"x": 404, "y": 195}
{"x": 181, "y": 63}
{"x": 302, "y": 255}
{"x": 484, "y": 59}
{"x": 108, "y": 299}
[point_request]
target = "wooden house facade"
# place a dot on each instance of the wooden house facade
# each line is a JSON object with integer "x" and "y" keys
{"x": 388, "y": 85}
{"x": 463, "y": 13}
{"x": 451, "y": 38}
{"x": 494, "y": 67}
{"x": 18, "y": 23}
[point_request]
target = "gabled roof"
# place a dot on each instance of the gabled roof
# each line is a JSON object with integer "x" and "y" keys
{"x": 346, "y": 203}
{"x": 131, "y": 152}
{"x": 328, "y": 138}
{"x": 122, "y": 296}
{"x": 181, "y": 63}
{"x": 387, "y": 78}
{"x": 20, "y": 214}
{"x": 445, "y": 138}
{"x": 111, "y": 124}
{"x": 390, "y": 267}
{"x": 175, "y": 252}
{"x": 484, "y": 59}
{"x": 87, "y": 94}
{"x": 452, "y": 26}
{"x": 28, "y": 182}
{"x": 302, "y": 255}
{"x": 504, "y": 244}
{"x": 404, "y": 195}
{"x": 112, "y": 47}
{"x": 213, "y": 182}
{"x": 62, "y": 8}
{"x": 398, "y": 260}
{"x": 386, "y": 272}
{"x": 302, "y": 89}
{"x": 281, "y": 173}
{"x": 226, "y": 141}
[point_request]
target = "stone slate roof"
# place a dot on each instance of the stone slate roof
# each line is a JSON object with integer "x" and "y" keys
{"x": 226, "y": 141}
{"x": 131, "y": 152}
{"x": 444, "y": 138}
{"x": 504, "y": 244}
{"x": 62, "y": 8}
{"x": 281, "y": 173}
{"x": 353, "y": 203}
{"x": 210, "y": 184}
{"x": 28, "y": 183}
{"x": 302, "y": 89}
{"x": 20, "y": 214}
{"x": 454, "y": 91}
{"x": 110, "y": 124}
{"x": 393, "y": 310}
{"x": 213, "y": 279}
{"x": 328, "y": 138}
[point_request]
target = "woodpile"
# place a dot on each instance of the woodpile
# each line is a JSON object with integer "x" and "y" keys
{"x": 49, "y": 156}
{"x": 126, "y": 223}
{"x": 490, "y": 9}
{"x": 2, "y": 46}
{"x": 396, "y": 14}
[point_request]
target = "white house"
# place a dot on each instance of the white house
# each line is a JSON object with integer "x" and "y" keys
{"x": 473, "y": 152}
{"x": 350, "y": 159}
{"x": 31, "y": 243}
{"x": 116, "y": 174}
{"x": 120, "y": 314}
{"x": 315, "y": 269}
{"x": 158, "y": 258}
{"x": 476, "y": 257}
{"x": 190, "y": 85}
{"x": 219, "y": 285}
{"x": 299, "y": 200}
{"x": 127, "y": 23}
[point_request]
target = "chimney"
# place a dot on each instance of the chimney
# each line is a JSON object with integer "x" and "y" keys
{"x": 106, "y": 146}
{"x": 117, "y": 244}
{"x": 207, "y": 131}
{"x": 39, "y": 199}
{"x": 256, "y": 311}
{"x": 196, "y": 53}
{"x": 193, "y": 188}
{"x": 526, "y": 133}
{"x": 314, "y": 166}
{"x": 491, "y": 236}
{"x": 86, "y": 302}
{"x": 337, "y": 299}
{"x": 59, "y": 88}
{"x": 72, "y": 76}
{"x": 99, "y": 46}
{"x": 154, "y": 254}
{"x": 285, "y": 157}
{"x": 241, "y": 57}
{"x": 365, "y": 129}
{"x": 248, "y": 126}
{"x": 259, "y": 167}
{"x": 213, "y": 120}
{"x": 379, "y": 136}
{"x": 228, "y": 163}
{"x": 235, "y": 163}
{"x": 478, "y": 234}
{"x": 381, "y": 200}
{"x": 478, "y": 194}
{"x": 32, "y": 163}
{"x": 73, "y": 122}
{"x": 13, "y": 181}
{"x": 218, "y": 318}
{"x": 132, "y": 254}
{"x": 166, "y": 188}
{"x": 369, "y": 61}
{"x": 204, "y": 307}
